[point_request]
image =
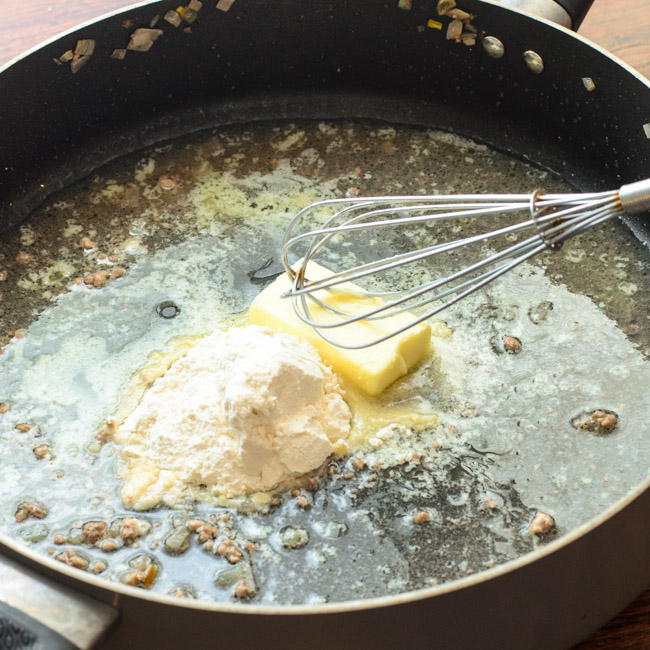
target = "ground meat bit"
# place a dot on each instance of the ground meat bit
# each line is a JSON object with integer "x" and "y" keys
{"x": 295, "y": 492}
{"x": 28, "y": 509}
{"x": 511, "y": 344}
{"x": 100, "y": 278}
{"x": 87, "y": 243}
{"x": 195, "y": 524}
{"x": 117, "y": 272}
{"x": 94, "y": 531}
{"x": 130, "y": 529}
{"x": 23, "y": 427}
{"x": 605, "y": 420}
{"x": 599, "y": 421}
{"x": 135, "y": 578}
{"x": 541, "y": 524}
{"x": 332, "y": 469}
{"x": 4, "y": 408}
{"x": 96, "y": 279}
{"x": 179, "y": 592}
{"x": 230, "y": 551}
{"x": 166, "y": 183}
{"x": 242, "y": 590}
{"x": 42, "y": 452}
{"x": 302, "y": 501}
{"x": 98, "y": 567}
{"x": 207, "y": 533}
{"x": 421, "y": 517}
{"x": 143, "y": 575}
{"x": 73, "y": 559}
{"x": 182, "y": 591}
{"x": 3, "y": 276}
{"x": 59, "y": 539}
{"x": 23, "y": 258}
{"x": 108, "y": 546}
{"x": 358, "y": 464}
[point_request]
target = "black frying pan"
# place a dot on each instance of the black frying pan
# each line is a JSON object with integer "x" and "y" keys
{"x": 261, "y": 61}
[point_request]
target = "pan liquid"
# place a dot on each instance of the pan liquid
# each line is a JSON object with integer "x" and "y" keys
{"x": 196, "y": 223}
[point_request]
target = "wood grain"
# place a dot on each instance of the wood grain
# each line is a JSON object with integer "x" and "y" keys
{"x": 620, "y": 26}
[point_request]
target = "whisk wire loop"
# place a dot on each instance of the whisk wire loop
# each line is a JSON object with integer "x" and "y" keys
{"x": 552, "y": 218}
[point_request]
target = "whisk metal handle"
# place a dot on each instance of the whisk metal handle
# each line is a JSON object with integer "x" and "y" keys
{"x": 635, "y": 197}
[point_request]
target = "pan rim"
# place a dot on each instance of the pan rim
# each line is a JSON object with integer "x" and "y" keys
{"x": 496, "y": 4}
{"x": 72, "y": 30}
{"x": 352, "y": 605}
{"x": 345, "y": 606}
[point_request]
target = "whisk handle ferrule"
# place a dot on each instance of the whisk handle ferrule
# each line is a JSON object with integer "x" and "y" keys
{"x": 635, "y": 197}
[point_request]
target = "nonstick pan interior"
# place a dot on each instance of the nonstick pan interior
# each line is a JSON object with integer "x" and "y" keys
{"x": 194, "y": 228}
{"x": 375, "y": 105}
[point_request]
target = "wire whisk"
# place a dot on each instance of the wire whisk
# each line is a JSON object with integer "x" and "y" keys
{"x": 550, "y": 219}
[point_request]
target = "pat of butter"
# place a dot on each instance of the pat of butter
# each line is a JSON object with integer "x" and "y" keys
{"x": 373, "y": 368}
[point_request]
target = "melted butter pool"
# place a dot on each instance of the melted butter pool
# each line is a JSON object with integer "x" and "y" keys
{"x": 197, "y": 223}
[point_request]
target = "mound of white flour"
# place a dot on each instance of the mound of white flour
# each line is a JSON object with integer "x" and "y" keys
{"x": 243, "y": 411}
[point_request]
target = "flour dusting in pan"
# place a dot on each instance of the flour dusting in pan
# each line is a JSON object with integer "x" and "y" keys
{"x": 245, "y": 410}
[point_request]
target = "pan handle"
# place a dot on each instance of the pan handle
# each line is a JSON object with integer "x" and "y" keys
{"x": 36, "y": 612}
{"x": 577, "y": 10}
{"x": 568, "y": 13}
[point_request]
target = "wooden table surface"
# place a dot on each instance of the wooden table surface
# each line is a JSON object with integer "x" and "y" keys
{"x": 621, "y": 26}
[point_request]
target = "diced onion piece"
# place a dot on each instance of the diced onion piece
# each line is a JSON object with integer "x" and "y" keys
{"x": 405, "y": 4}
{"x": 454, "y": 30}
{"x": 78, "y": 62}
{"x": 173, "y": 17}
{"x": 444, "y": 6}
{"x": 66, "y": 56}
{"x": 142, "y": 39}
{"x": 85, "y": 47}
{"x": 468, "y": 39}
{"x": 589, "y": 84}
{"x": 459, "y": 14}
{"x": 224, "y": 5}
{"x": 189, "y": 15}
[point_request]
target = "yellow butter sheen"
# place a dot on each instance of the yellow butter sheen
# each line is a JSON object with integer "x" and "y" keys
{"x": 373, "y": 368}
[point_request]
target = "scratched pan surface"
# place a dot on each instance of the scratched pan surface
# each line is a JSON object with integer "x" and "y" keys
{"x": 299, "y": 128}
